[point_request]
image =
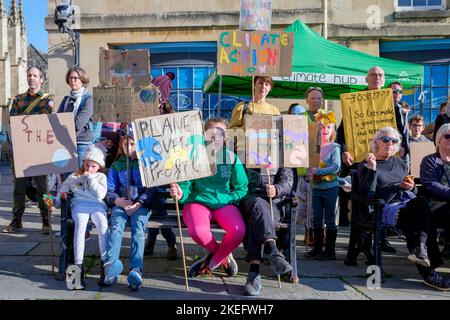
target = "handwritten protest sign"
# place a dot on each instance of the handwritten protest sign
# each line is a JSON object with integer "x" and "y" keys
{"x": 364, "y": 113}
{"x": 314, "y": 130}
{"x": 256, "y": 15}
{"x": 171, "y": 148}
{"x": 115, "y": 104}
{"x": 43, "y": 144}
{"x": 124, "y": 68}
{"x": 295, "y": 141}
{"x": 262, "y": 134}
{"x": 418, "y": 151}
{"x": 244, "y": 53}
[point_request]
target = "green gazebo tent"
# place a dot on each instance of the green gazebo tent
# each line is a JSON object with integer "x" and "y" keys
{"x": 318, "y": 62}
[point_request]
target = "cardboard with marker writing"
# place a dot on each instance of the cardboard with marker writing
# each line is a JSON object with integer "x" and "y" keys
{"x": 43, "y": 144}
{"x": 171, "y": 148}
{"x": 364, "y": 113}
{"x": 249, "y": 53}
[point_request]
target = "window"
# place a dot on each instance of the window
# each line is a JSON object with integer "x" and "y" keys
{"x": 408, "y": 5}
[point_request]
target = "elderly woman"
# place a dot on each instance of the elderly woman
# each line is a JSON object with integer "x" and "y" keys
{"x": 80, "y": 103}
{"x": 384, "y": 176}
{"x": 435, "y": 178}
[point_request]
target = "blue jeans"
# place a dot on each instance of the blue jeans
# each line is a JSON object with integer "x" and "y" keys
{"x": 81, "y": 149}
{"x": 324, "y": 205}
{"x": 138, "y": 223}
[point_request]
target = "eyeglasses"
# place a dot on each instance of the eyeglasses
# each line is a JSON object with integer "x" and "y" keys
{"x": 389, "y": 139}
{"x": 377, "y": 75}
{"x": 397, "y": 91}
{"x": 447, "y": 136}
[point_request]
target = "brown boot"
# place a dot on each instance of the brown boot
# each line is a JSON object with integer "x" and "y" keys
{"x": 172, "y": 253}
{"x": 309, "y": 237}
{"x": 15, "y": 225}
{"x": 45, "y": 226}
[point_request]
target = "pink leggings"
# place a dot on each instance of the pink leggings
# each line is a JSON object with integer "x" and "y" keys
{"x": 198, "y": 217}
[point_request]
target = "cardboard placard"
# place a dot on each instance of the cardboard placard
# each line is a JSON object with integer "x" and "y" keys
{"x": 364, "y": 113}
{"x": 245, "y": 53}
{"x": 418, "y": 150}
{"x": 295, "y": 141}
{"x": 314, "y": 131}
{"x": 262, "y": 136}
{"x": 124, "y": 68}
{"x": 171, "y": 148}
{"x": 115, "y": 104}
{"x": 256, "y": 15}
{"x": 43, "y": 144}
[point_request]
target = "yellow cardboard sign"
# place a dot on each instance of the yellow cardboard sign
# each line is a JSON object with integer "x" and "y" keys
{"x": 364, "y": 113}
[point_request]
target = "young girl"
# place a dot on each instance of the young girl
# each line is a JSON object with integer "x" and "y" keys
{"x": 136, "y": 209}
{"x": 325, "y": 189}
{"x": 88, "y": 186}
{"x": 214, "y": 199}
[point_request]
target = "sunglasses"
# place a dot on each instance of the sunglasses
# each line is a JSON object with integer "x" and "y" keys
{"x": 397, "y": 91}
{"x": 389, "y": 139}
{"x": 447, "y": 136}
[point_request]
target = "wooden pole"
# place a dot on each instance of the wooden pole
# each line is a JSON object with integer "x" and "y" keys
{"x": 273, "y": 220}
{"x": 182, "y": 243}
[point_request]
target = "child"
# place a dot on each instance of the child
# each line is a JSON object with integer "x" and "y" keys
{"x": 136, "y": 209}
{"x": 325, "y": 189}
{"x": 88, "y": 186}
{"x": 214, "y": 199}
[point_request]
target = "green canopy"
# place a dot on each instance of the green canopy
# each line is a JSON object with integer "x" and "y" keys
{"x": 318, "y": 62}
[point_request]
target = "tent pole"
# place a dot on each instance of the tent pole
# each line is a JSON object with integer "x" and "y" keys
{"x": 220, "y": 96}
{"x": 325, "y": 35}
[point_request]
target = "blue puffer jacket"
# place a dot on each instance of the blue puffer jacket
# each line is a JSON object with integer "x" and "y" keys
{"x": 117, "y": 183}
{"x": 431, "y": 172}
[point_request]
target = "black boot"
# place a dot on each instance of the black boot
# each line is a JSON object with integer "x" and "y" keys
{"x": 318, "y": 242}
{"x": 102, "y": 282}
{"x": 330, "y": 248}
{"x": 150, "y": 246}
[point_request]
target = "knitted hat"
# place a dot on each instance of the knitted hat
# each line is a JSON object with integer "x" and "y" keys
{"x": 95, "y": 154}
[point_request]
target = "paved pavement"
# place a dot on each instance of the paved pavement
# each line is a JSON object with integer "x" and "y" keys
{"x": 26, "y": 273}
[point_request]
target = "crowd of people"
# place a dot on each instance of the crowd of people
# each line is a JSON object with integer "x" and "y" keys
{"x": 246, "y": 203}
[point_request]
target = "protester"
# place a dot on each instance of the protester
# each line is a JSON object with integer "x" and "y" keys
{"x": 32, "y": 102}
{"x": 314, "y": 99}
{"x": 135, "y": 209}
{"x": 401, "y": 115}
{"x": 214, "y": 199}
{"x": 375, "y": 81}
{"x": 384, "y": 176}
{"x": 325, "y": 188}
{"x": 261, "y": 234}
{"x": 164, "y": 83}
{"x": 259, "y": 106}
{"x": 166, "y": 232}
{"x": 441, "y": 119}
{"x": 416, "y": 127}
{"x": 435, "y": 179}
{"x": 88, "y": 187}
{"x": 429, "y": 129}
{"x": 80, "y": 103}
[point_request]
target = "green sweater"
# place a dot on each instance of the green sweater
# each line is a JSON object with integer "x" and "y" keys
{"x": 227, "y": 186}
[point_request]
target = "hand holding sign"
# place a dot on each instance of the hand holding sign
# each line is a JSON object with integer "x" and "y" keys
{"x": 175, "y": 191}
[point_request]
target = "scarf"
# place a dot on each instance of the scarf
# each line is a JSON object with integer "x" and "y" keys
{"x": 75, "y": 99}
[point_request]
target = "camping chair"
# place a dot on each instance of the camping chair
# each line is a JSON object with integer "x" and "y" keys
{"x": 366, "y": 220}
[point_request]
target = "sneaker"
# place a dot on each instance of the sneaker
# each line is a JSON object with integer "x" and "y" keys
{"x": 278, "y": 263}
{"x": 14, "y": 226}
{"x": 230, "y": 266}
{"x": 254, "y": 285}
{"x": 112, "y": 270}
{"x": 134, "y": 279}
{"x": 200, "y": 266}
{"x": 172, "y": 253}
{"x": 438, "y": 281}
{"x": 420, "y": 257}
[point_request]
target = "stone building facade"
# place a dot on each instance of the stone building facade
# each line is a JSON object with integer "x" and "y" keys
{"x": 181, "y": 37}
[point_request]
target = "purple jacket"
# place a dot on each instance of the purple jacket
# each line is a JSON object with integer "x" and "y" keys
{"x": 431, "y": 173}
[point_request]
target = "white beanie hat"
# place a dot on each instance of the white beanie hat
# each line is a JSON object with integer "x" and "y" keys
{"x": 95, "y": 154}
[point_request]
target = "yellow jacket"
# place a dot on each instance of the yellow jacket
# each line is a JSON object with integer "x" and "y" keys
{"x": 254, "y": 108}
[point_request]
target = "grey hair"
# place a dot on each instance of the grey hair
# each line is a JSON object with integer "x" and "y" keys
{"x": 41, "y": 72}
{"x": 383, "y": 132}
{"x": 442, "y": 130}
